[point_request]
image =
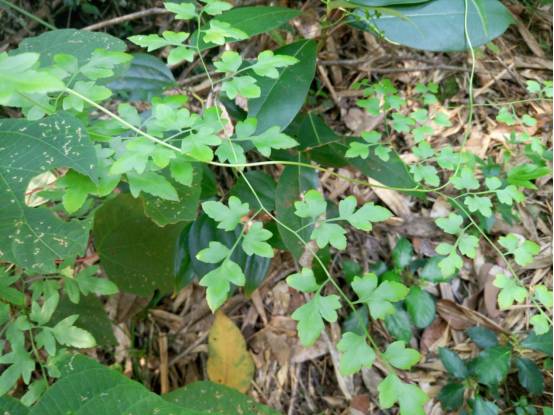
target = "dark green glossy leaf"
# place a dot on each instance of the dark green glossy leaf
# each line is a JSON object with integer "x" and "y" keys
{"x": 482, "y": 337}
{"x": 420, "y": 306}
{"x": 34, "y": 238}
{"x": 542, "y": 343}
{"x": 438, "y": 25}
{"x": 322, "y": 145}
{"x": 492, "y": 365}
{"x": 137, "y": 255}
{"x": 293, "y": 182}
{"x": 252, "y": 20}
{"x": 431, "y": 271}
{"x": 79, "y": 43}
{"x": 262, "y": 183}
{"x": 402, "y": 253}
{"x": 164, "y": 212}
{"x": 282, "y": 98}
{"x": 399, "y": 325}
{"x": 146, "y": 76}
{"x": 357, "y": 321}
{"x": 451, "y": 396}
{"x": 484, "y": 407}
{"x": 453, "y": 363}
{"x": 92, "y": 318}
{"x": 350, "y": 269}
{"x": 530, "y": 376}
{"x": 87, "y": 387}
{"x": 202, "y": 231}
{"x": 211, "y": 398}
{"x": 11, "y": 406}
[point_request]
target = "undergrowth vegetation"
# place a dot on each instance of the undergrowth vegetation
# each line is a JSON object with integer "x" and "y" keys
{"x": 94, "y": 163}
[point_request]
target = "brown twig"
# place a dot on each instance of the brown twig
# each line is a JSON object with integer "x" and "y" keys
{"x": 126, "y": 18}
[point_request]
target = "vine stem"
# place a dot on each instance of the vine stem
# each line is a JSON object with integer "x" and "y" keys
{"x": 29, "y": 15}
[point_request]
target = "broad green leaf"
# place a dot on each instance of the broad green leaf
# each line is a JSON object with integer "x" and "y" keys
{"x": 410, "y": 398}
{"x": 206, "y": 397}
{"x": 355, "y": 353}
{"x": 34, "y": 237}
{"x": 511, "y": 291}
{"x": 530, "y": 376}
{"x": 492, "y": 365}
{"x": 453, "y": 363}
{"x": 78, "y": 43}
{"x": 281, "y": 98}
{"x": 451, "y": 396}
{"x": 438, "y": 25}
{"x": 401, "y": 357}
{"x": 86, "y": 386}
{"x": 541, "y": 343}
{"x": 303, "y": 281}
{"x": 484, "y": 407}
{"x": 482, "y": 337}
{"x": 12, "y": 406}
{"x": 310, "y": 317}
{"x": 138, "y": 255}
{"x": 262, "y": 183}
{"x": 420, "y": 306}
{"x": 254, "y": 241}
{"x": 227, "y": 217}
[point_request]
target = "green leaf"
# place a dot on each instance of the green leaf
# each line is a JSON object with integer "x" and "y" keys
{"x": 303, "y": 281}
{"x": 180, "y": 54}
{"x": 522, "y": 250}
{"x": 272, "y": 139}
{"x": 243, "y": 86}
{"x": 138, "y": 255}
{"x": 218, "y": 283}
{"x": 219, "y": 31}
{"x": 230, "y": 62}
{"x": 227, "y": 217}
{"x": 492, "y": 365}
{"x": 310, "y": 317}
{"x": 264, "y": 186}
{"x": 399, "y": 324}
{"x": 425, "y": 173}
{"x": 438, "y": 25}
{"x": 400, "y": 357}
{"x": 281, "y": 98}
{"x": 451, "y": 224}
{"x": 482, "y": 337}
{"x": 379, "y": 298}
{"x": 214, "y": 253}
{"x": 465, "y": 180}
{"x": 453, "y": 363}
{"x": 69, "y": 335}
{"x": 215, "y": 7}
{"x": 152, "y": 183}
{"x": 509, "y": 195}
{"x": 506, "y": 116}
{"x": 267, "y": 64}
{"x": 420, "y": 306}
{"x": 21, "y": 365}
{"x": 541, "y": 343}
{"x": 543, "y": 295}
{"x": 362, "y": 218}
{"x": 523, "y": 175}
{"x": 12, "y": 406}
{"x": 402, "y": 253}
{"x": 484, "y": 407}
{"x": 313, "y": 205}
{"x": 540, "y": 323}
{"x": 468, "y": 245}
{"x": 510, "y": 291}
{"x": 481, "y": 204}
{"x": 203, "y": 397}
{"x": 78, "y": 43}
{"x": 450, "y": 264}
{"x": 355, "y": 353}
{"x": 183, "y": 11}
{"x": 410, "y": 398}
{"x": 28, "y": 149}
{"x": 451, "y": 396}
{"x": 329, "y": 234}
{"x": 530, "y": 376}
{"x": 254, "y": 241}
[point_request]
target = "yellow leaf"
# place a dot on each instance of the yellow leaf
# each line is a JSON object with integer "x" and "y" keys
{"x": 229, "y": 363}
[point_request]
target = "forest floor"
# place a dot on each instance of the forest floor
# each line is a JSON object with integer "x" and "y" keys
{"x": 169, "y": 340}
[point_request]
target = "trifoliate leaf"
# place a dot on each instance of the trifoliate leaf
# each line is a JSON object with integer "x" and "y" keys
{"x": 230, "y": 62}
{"x": 215, "y": 7}
{"x": 493, "y": 183}
{"x": 479, "y": 204}
{"x": 198, "y": 145}
{"x": 267, "y": 63}
{"x": 227, "y": 217}
{"x": 214, "y": 253}
{"x": 152, "y": 183}
{"x": 451, "y": 224}
{"x": 371, "y": 137}
{"x": 510, "y": 194}
{"x": 400, "y": 357}
{"x": 102, "y": 62}
{"x": 254, "y": 241}
{"x": 383, "y": 152}
{"x": 357, "y": 149}
{"x": 183, "y": 11}
{"x": 540, "y": 324}
{"x": 543, "y": 295}
{"x": 312, "y": 206}
{"x": 442, "y": 120}
{"x": 329, "y": 234}
{"x": 465, "y": 180}
{"x": 422, "y": 132}
{"x": 364, "y": 217}
{"x": 401, "y": 123}
{"x": 451, "y": 264}
{"x": 303, "y": 281}
{"x": 448, "y": 159}
{"x": 218, "y": 283}
{"x": 510, "y": 291}
{"x": 180, "y": 54}
{"x": 230, "y": 152}
{"x": 425, "y": 173}
{"x": 507, "y": 117}
{"x": 244, "y": 86}
{"x": 423, "y": 150}
{"x": 410, "y": 398}
{"x": 468, "y": 245}
{"x": 218, "y": 31}
{"x": 379, "y": 299}
{"x": 272, "y": 138}
{"x": 522, "y": 250}
{"x": 355, "y": 353}
{"x": 310, "y": 317}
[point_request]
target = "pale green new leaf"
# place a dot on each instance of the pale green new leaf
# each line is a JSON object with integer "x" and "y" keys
{"x": 364, "y": 217}
{"x": 465, "y": 180}
{"x": 451, "y": 224}
{"x": 69, "y": 335}
{"x": 303, "y": 281}
{"x": 272, "y": 138}
{"x": 310, "y": 317}
{"x": 230, "y": 62}
{"x": 479, "y": 204}
{"x": 523, "y": 251}
{"x": 312, "y": 206}
{"x": 355, "y": 353}
{"x": 218, "y": 283}
{"x": 227, "y": 217}
{"x": 244, "y": 86}
{"x": 267, "y": 63}
{"x": 219, "y": 31}
{"x": 214, "y": 253}
{"x": 510, "y": 291}
{"x": 379, "y": 298}
{"x": 468, "y": 245}
{"x": 401, "y": 357}
{"x": 410, "y": 398}
{"x": 152, "y": 183}
{"x": 254, "y": 241}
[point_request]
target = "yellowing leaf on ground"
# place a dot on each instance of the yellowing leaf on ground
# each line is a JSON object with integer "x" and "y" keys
{"x": 229, "y": 363}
